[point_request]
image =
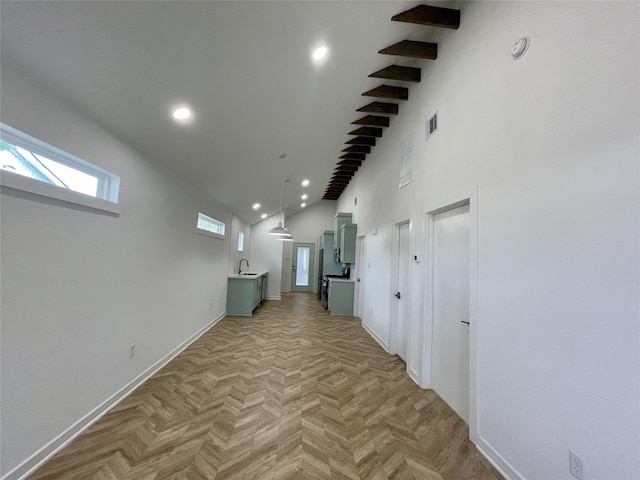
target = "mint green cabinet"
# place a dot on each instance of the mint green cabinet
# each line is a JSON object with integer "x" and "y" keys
{"x": 340, "y": 219}
{"x": 348, "y": 243}
{"x": 340, "y": 297}
{"x": 244, "y": 294}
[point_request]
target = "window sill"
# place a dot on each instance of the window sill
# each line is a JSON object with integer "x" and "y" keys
{"x": 207, "y": 233}
{"x": 13, "y": 181}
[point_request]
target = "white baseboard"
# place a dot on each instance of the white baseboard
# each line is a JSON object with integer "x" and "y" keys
{"x": 495, "y": 459}
{"x": 36, "y": 460}
{"x": 274, "y": 297}
{"x": 413, "y": 375}
{"x": 375, "y": 336}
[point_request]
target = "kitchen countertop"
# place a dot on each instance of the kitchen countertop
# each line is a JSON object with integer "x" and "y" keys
{"x": 344, "y": 280}
{"x": 248, "y": 276}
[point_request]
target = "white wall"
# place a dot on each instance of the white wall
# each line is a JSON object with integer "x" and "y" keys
{"x": 306, "y": 226}
{"x": 238, "y": 225}
{"x": 79, "y": 287}
{"x": 550, "y": 143}
{"x": 266, "y": 254}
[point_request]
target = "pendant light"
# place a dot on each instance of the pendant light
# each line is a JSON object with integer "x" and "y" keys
{"x": 280, "y": 231}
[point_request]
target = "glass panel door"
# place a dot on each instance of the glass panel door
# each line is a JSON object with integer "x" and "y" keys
{"x": 302, "y": 267}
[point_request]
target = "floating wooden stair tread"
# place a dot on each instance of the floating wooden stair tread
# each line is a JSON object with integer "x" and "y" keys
{"x": 357, "y": 149}
{"x": 372, "y": 120}
{"x": 346, "y": 168}
{"x": 396, "y": 72}
{"x": 413, "y": 49}
{"x": 355, "y": 163}
{"x": 380, "y": 107}
{"x": 432, "y": 16}
{"x": 387, "y": 91}
{"x": 353, "y": 156}
{"x": 367, "y": 132}
{"x": 370, "y": 141}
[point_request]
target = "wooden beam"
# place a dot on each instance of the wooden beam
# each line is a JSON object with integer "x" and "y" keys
{"x": 373, "y": 120}
{"x": 380, "y": 107}
{"x": 347, "y": 168}
{"x": 343, "y": 174}
{"x": 367, "y": 132}
{"x": 387, "y": 91}
{"x": 353, "y": 156}
{"x": 355, "y": 163}
{"x": 370, "y": 141}
{"x": 410, "y": 48}
{"x": 396, "y": 72}
{"x": 432, "y": 16}
{"x": 357, "y": 149}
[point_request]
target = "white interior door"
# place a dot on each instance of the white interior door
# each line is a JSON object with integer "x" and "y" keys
{"x": 302, "y": 267}
{"x": 450, "y": 360}
{"x": 359, "y": 284}
{"x": 402, "y": 295}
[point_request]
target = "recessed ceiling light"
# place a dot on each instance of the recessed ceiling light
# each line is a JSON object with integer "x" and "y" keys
{"x": 319, "y": 53}
{"x": 303, "y": 204}
{"x": 264, "y": 215}
{"x": 305, "y": 183}
{"x": 256, "y": 206}
{"x": 304, "y": 197}
{"x": 182, "y": 113}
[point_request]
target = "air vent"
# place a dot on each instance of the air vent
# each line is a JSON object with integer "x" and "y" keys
{"x": 431, "y": 126}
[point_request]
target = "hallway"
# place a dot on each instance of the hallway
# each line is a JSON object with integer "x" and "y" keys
{"x": 288, "y": 393}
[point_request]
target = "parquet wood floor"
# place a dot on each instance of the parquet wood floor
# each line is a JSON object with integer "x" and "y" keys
{"x": 291, "y": 393}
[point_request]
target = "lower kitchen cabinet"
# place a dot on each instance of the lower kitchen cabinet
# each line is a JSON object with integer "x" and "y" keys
{"x": 340, "y": 297}
{"x": 245, "y": 293}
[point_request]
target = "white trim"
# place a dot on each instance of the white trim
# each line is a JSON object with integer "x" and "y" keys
{"x": 415, "y": 376}
{"x": 36, "y": 190}
{"x": 274, "y": 297}
{"x": 375, "y": 336}
{"x": 35, "y": 461}
{"x": 474, "y": 309}
{"x": 495, "y": 459}
{"x": 427, "y": 335}
{"x": 207, "y": 233}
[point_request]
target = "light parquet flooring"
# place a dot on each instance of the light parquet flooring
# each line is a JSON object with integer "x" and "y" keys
{"x": 290, "y": 393}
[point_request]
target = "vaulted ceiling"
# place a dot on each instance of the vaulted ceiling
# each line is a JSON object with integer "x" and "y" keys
{"x": 246, "y": 70}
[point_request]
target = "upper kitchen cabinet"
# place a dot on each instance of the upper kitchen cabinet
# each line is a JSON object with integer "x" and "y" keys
{"x": 340, "y": 220}
{"x": 347, "y": 251}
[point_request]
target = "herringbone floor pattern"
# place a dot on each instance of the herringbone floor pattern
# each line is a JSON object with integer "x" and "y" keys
{"x": 290, "y": 393}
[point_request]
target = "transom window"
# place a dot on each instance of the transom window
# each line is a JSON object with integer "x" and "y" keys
{"x": 210, "y": 226}
{"x": 26, "y": 156}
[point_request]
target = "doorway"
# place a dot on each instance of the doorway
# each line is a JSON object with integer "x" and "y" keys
{"x": 451, "y": 239}
{"x": 302, "y": 267}
{"x": 402, "y": 293}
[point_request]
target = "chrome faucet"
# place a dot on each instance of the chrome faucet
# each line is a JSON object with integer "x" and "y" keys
{"x": 240, "y": 265}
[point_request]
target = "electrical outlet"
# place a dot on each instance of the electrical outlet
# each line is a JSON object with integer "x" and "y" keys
{"x": 576, "y": 465}
{"x": 132, "y": 350}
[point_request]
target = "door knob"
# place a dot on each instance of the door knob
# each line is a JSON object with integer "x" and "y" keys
{"x": 358, "y": 280}
{"x": 398, "y": 295}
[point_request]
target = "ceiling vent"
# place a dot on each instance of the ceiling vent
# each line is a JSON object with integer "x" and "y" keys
{"x": 431, "y": 126}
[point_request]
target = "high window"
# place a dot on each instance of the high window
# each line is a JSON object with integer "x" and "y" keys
{"x": 210, "y": 226}
{"x": 27, "y": 162}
